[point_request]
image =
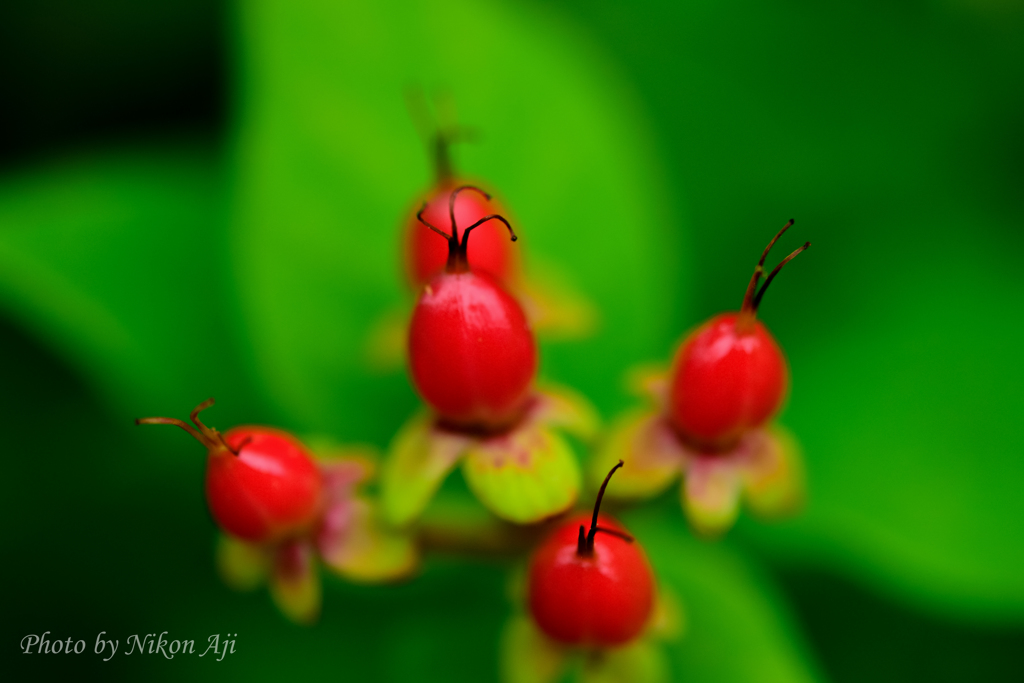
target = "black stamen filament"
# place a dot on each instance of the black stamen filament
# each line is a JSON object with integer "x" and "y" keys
{"x": 457, "y": 259}
{"x": 752, "y": 297}
{"x": 585, "y": 545}
{"x": 207, "y": 436}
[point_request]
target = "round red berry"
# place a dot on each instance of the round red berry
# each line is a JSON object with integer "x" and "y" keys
{"x": 261, "y": 483}
{"x": 472, "y": 355}
{"x": 471, "y": 352}
{"x": 729, "y": 375}
{"x": 426, "y": 256}
{"x": 726, "y": 381}
{"x": 591, "y": 588}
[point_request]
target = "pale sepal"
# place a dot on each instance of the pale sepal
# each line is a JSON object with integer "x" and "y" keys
{"x": 355, "y": 544}
{"x": 242, "y": 566}
{"x": 561, "y": 407}
{"x": 384, "y": 346}
{"x": 527, "y": 655}
{"x": 295, "y": 581}
{"x": 649, "y": 382}
{"x": 524, "y": 476}
{"x": 360, "y": 460}
{"x": 668, "y": 620}
{"x": 556, "y": 309}
{"x": 773, "y": 480}
{"x": 641, "y": 661}
{"x": 420, "y": 458}
{"x": 711, "y": 494}
{"x": 651, "y": 454}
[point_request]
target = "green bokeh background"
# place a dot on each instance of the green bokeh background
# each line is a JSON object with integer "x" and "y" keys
{"x": 201, "y": 199}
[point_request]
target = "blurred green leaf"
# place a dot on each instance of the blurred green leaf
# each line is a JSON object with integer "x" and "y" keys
{"x": 329, "y": 165}
{"x": 118, "y": 263}
{"x": 891, "y": 132}
{"x": 909, "y": 421}
{"x": 736, "y": 626}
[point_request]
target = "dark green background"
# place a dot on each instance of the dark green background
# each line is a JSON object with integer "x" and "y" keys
{"x": 169, "y": 172}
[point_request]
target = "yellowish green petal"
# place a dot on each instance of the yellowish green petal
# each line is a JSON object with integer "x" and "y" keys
{"x": 295, "y": 582}
{"x": 651, "y": 454}
{"x": 649, "y": 382}
{"x": 774, "y": 480}
{"x": 524, "y": 476}
{"x": 711, "y": 494}
{"x": 329, "y": 452}
{"x": 641, "y": 661}
{"x": 556, "y": 309}
{"x": 242, "y": 566}
{"x": 668, "y": 621}
{"x": 527, "y": 655}
{"x": 420, "y": 459}
{"x": 363, "y": 549}
{"x": 557, "y": 406}
{"x": 384, "y": 346}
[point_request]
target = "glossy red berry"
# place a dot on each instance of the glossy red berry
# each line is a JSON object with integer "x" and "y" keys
{"x": 591, "y": 588}
{"x": 261, "y": 483}
{"x": 729, "y": 375}
{"x": 472, "y": 354}
{"x": 426, "y": 256}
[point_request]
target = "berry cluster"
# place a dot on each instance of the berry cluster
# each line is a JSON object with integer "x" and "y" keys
{"x": 473, "y": 359}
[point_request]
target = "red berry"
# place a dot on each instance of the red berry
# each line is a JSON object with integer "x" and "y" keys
{"x": 261, "y": 484}
{"x": 426, "y": 256}
{"x": 587, "y": 589}
{"x": 729, "y": 375}
{"x": 472, "y": 355}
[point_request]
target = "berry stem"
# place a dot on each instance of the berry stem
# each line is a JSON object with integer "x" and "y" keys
{"x": 177, "y": 423}
{"x": 207, "y": 436}
{"x": 436, "y": 136}
{"x": 585, "y": 544}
